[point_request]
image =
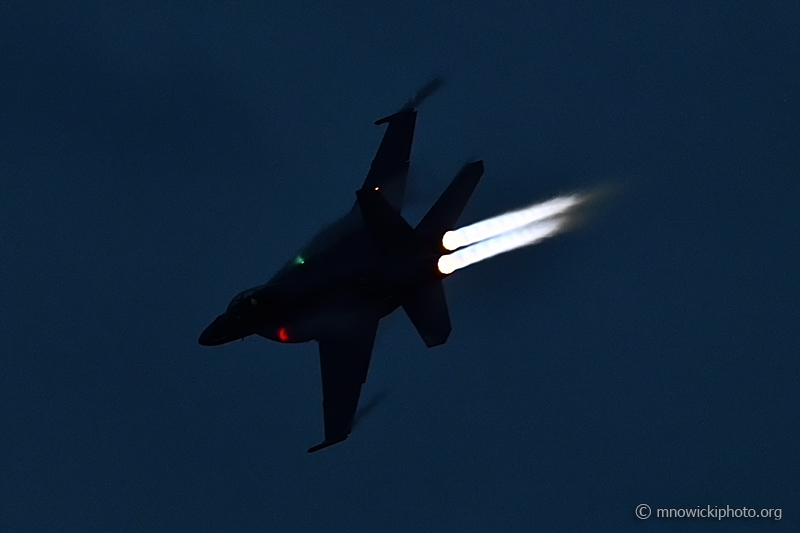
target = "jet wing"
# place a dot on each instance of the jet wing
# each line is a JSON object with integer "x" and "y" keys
{"x": 344, "y": 361}
{"x": 389, "y": 169}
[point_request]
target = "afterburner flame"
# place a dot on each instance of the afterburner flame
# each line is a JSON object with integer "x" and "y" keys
{"x": 506, "y": 232}
{"x": 492, "y": 227}
{"x": 506, "y": 242}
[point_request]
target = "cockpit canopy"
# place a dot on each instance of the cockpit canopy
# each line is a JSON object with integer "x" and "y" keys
{"x": 243, "y": 297}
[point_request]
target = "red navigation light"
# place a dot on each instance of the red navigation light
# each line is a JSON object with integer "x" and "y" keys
{"x": 283, "y": 334}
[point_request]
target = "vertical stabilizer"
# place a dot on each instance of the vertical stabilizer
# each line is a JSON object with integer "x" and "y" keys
{"x": 444, "y": 214}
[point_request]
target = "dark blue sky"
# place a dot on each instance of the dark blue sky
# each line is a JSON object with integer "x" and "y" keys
{"x": 156, "y": 159}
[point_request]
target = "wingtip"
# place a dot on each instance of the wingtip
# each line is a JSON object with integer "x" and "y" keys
{"x": 391, "y": 117}
{"x": 318, "y": 447}
{"x": 411, "y": 106}
{"x": 324, "y": 444}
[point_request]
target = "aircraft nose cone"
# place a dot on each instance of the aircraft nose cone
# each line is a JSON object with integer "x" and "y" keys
{"x": 205, "y": 338}
{"x": 214, "y": 334}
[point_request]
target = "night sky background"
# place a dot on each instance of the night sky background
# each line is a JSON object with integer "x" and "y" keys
{"x": 158, "y": 157}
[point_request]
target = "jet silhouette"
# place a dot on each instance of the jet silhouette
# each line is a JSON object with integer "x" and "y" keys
{"x": 355, "y": 272}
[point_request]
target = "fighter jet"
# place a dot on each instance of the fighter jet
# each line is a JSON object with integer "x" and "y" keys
{"x": 359, "y": 269}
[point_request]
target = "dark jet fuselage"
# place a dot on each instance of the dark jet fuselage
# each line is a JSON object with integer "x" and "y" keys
{"x": 355, "y": 272}
{"x": 309, "y": 298}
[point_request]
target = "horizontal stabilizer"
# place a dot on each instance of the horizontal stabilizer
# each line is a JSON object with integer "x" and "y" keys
{"x": 444, "y": 214}
{"x": 427, "y": 310}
